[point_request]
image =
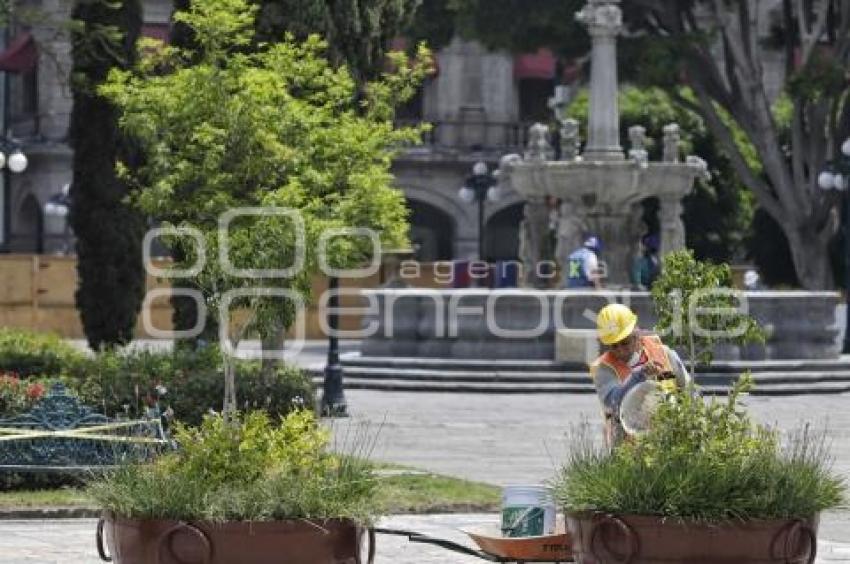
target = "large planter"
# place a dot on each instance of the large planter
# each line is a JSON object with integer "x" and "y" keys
{"x": 600, "y": 538}
{"x": 296, "y": 541}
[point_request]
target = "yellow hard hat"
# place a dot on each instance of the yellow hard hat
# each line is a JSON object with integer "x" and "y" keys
{"x": 614, "y": 323}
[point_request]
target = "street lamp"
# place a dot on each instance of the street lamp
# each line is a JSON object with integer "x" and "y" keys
{"x": 836, "y": 176}
{"x": 333, "y": 391}
{"x": 480, "y": 186}
{"x": 12, "y": 159}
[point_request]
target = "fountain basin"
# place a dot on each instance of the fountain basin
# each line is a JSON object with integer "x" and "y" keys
{"x": 522, "y": 323}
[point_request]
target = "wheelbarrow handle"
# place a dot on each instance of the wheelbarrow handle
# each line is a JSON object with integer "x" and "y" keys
{"x": 454, "y": 546}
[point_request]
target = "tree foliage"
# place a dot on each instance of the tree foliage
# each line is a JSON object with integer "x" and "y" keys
{"x": 357, "y": 32}
{"x": 276, "y": 127}
{"x": 108, "y": 230}
{"x": 697, "y": 308}
{"x": 718, "y": 48}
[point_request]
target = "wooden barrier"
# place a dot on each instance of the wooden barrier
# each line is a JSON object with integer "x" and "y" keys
{"x": 37, "y": 293}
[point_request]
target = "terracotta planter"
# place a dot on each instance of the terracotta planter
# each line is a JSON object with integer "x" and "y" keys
{"x": 640, "y": 539}
{"x": 296, "y": 541}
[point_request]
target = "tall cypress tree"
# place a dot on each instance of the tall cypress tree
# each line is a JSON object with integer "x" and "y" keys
{"x": 109, "y": 231}
{"x": 357, "y": 31}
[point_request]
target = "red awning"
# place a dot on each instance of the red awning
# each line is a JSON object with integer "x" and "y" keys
{"x": 156, "y": 31}
{"x": 21, "y": 55}
{"x": 535, "y": 65}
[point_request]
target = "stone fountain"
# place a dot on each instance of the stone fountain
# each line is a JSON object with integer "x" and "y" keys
{"x": 600, "y": 190}
{"x": 417, "y": 332}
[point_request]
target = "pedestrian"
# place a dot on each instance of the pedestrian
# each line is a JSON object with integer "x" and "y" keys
{"x": 632, "y": 357}
{"x": 647, "y": 266}
{"x": 583, "y": 269}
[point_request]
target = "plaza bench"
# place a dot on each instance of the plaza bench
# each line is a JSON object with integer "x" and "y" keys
{"x": 61, "y": 435}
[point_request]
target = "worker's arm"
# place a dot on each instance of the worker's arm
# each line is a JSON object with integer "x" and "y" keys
{"x": 611, "y": 391}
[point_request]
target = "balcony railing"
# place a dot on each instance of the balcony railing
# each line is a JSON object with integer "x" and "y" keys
{"x": 472, "y": 135}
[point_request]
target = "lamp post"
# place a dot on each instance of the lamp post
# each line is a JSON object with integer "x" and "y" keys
{"x": 836, "y": 176}
{"x": 478, "y": 187}
{"x": 12, "y": 160}
{"x": 333, "y": 392}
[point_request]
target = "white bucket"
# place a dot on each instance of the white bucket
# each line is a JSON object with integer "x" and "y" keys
{"x": 527, "y": 511}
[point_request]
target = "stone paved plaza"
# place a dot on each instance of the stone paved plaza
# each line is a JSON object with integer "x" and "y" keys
{"x": 509, "y": 439}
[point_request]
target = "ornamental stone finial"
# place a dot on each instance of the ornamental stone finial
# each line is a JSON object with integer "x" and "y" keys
{"x": 538, "y": 148}
{"x": 602, "y": 17}
{"x": 671, "y": 143}
{"x": 570, "y": 140}
{"x": 637, "y": 138}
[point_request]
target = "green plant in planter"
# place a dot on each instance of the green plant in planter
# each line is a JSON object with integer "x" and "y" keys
{"x": 697, "y": 308}
{"x": 705, "y": 461}
{"x": 246, "y": 469}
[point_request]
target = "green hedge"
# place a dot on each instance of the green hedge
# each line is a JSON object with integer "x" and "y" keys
{"x": 118, "y": 383}
{"x": 26, "y": 353}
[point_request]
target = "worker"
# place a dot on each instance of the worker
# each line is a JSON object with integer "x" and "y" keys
{"x": 631, "y": 357}
{"x": 583, "y": 265}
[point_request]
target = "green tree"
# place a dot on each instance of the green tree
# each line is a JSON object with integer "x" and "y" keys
{"x": 357, "y": 32}
{"x": 716, "y": 47}
{"x": 275, "y": 127}
{"x": 697, "y": 308}
{"x": 108, "y": 230}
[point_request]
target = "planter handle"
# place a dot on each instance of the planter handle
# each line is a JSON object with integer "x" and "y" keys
{"x": 371, "y": 553}
{"x": 165, "y": 537}
{"x": 792, "y": 531}
{"x": 98, "y": 539}
{"x": 600, "y": 522}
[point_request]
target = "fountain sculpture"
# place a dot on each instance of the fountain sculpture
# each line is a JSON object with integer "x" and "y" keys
{"x": 600, "y": 191}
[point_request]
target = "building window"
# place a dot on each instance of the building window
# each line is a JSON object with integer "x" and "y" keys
{"x": 534, "y": 94}
{"x": 29, "y": 91}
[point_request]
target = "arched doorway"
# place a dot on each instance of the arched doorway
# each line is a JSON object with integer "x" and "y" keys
{"x": 432, "y": 232}
{"x": 501, "y": 234}
{"x": 30, "y": 232}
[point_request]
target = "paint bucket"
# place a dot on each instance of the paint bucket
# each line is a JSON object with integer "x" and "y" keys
{"x": 527, "y": 511}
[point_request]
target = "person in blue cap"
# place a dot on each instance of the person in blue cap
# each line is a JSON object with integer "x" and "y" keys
{"x": 647, "y": 266}
{"x": 583, "y": 265}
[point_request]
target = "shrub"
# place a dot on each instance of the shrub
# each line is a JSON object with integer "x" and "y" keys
{"x": 27, "y": 353}
{"x": 245, "y": 469}
{"x": 705, "y": 461}
{"x": 194, "y": 380}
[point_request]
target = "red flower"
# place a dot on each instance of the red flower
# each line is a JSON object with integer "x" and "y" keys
{"x": 35, "y": 391}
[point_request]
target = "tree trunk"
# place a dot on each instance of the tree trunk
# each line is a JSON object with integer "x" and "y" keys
{"x": 272, "y": 343}
{"x": 811, "y": 257}
{"x": 229, "y": 404}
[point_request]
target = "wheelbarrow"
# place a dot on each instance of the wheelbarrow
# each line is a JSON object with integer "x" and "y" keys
{"x": 493, "y": 547}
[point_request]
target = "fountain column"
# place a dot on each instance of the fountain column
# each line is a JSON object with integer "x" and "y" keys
{"x": 672, "y": 227}
{"x": 604, "y": 20}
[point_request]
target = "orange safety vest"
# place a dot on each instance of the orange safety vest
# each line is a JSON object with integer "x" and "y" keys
{"x": 653, "y": 348}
